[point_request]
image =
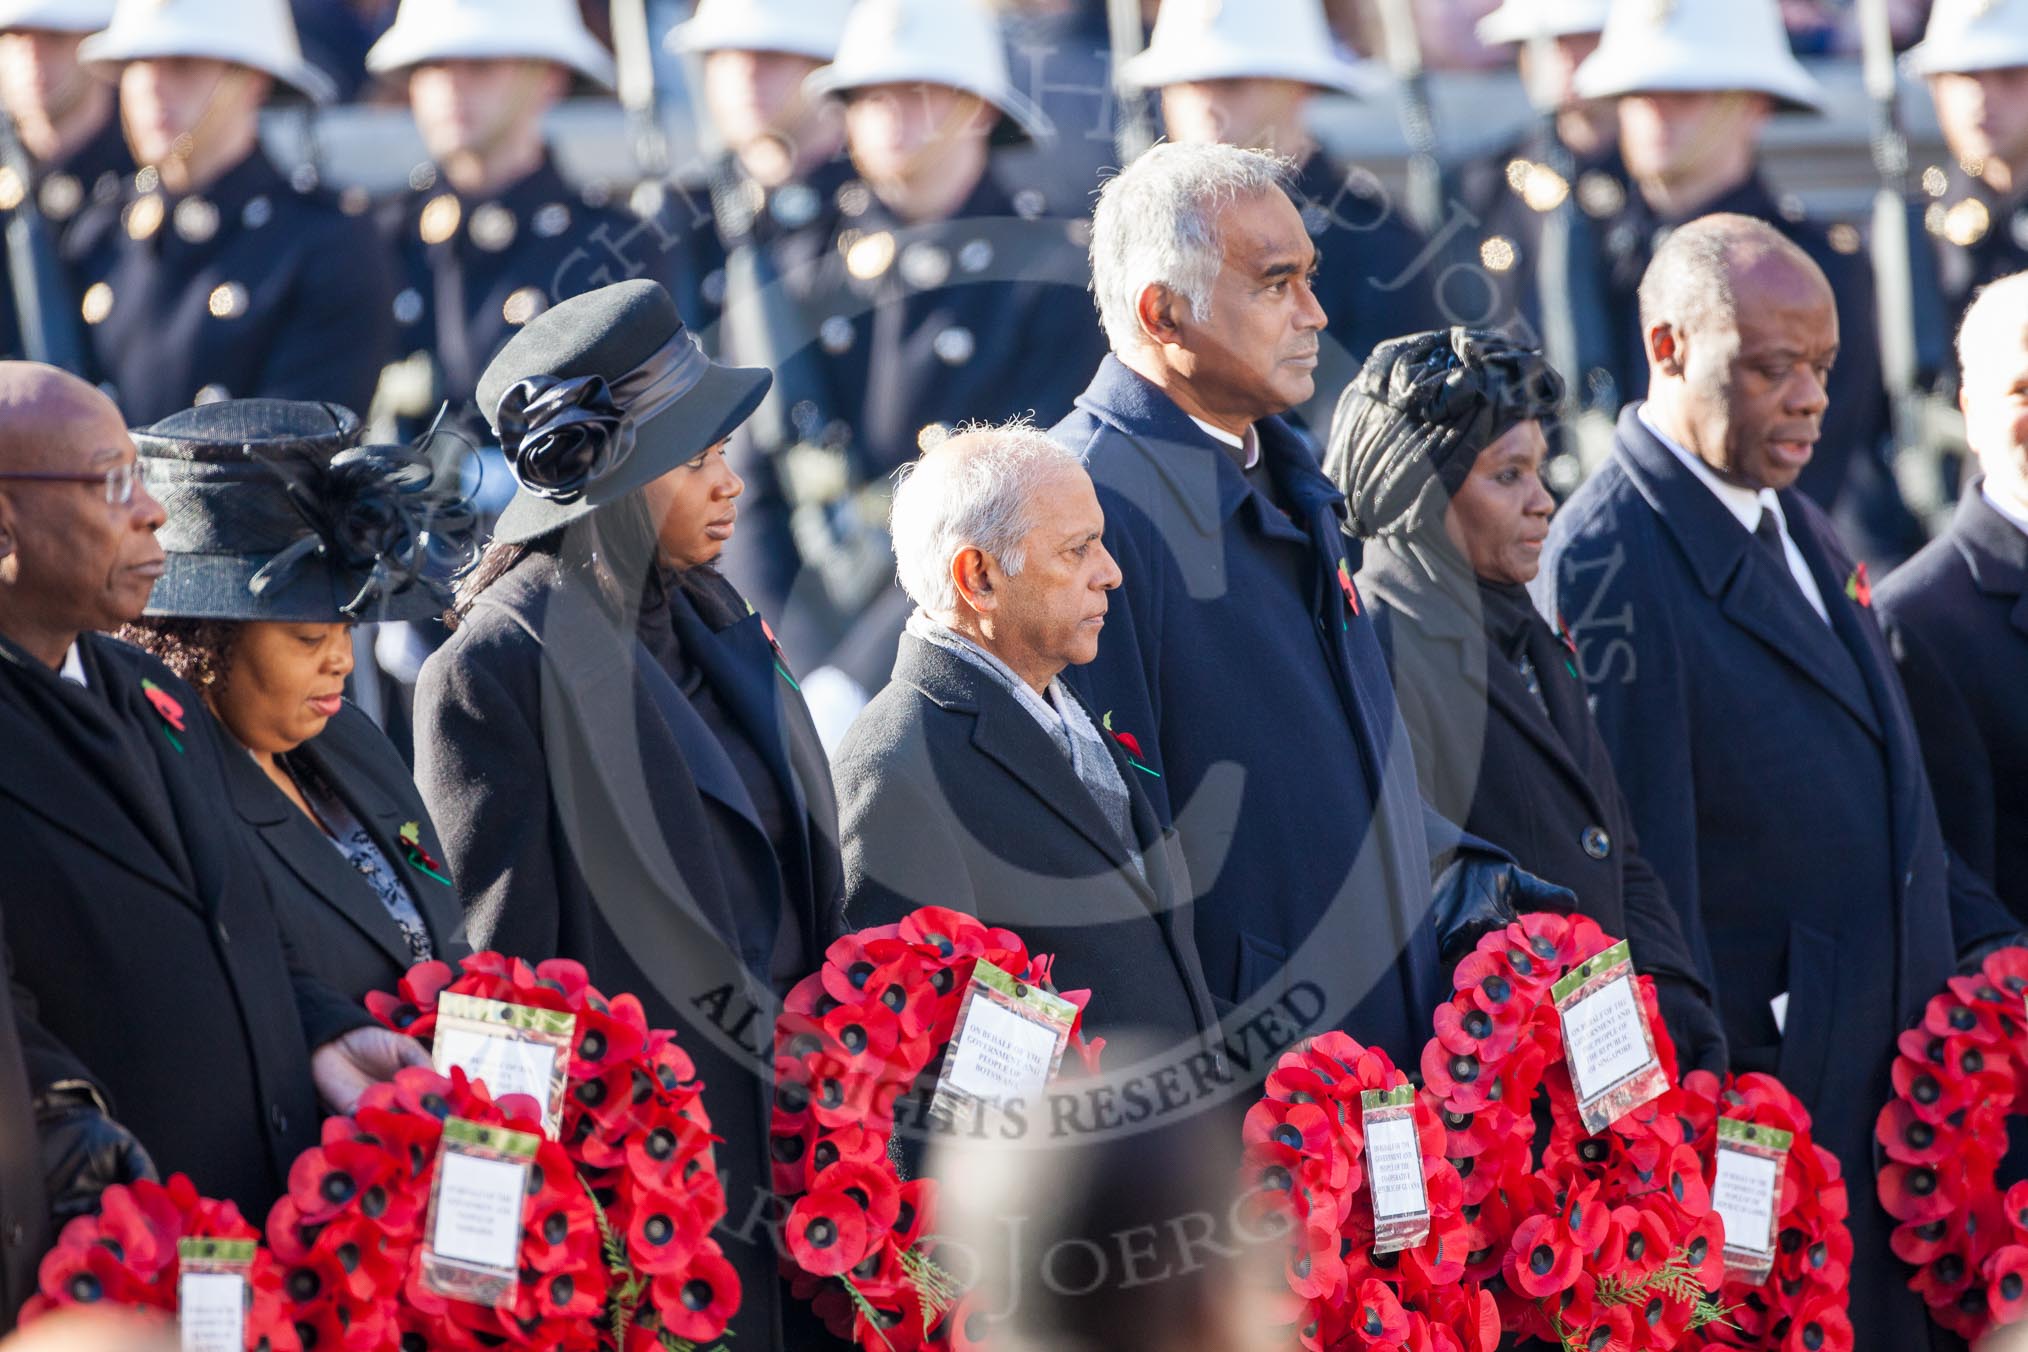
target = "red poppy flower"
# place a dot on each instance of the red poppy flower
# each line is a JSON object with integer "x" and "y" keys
{"x": 2005, "y": 1272}
{"x": 663, "y": 1234}
{"x": 1820, "y": 1326}
{"x": 1377, "y": 1317}
{"x": 1916, "y": 1192}
{"x": 1541, "y": 1260}
{"x": 166, "y": 704}
{"x": 697, "y": 1304}
{"x": 827, "y": 1234}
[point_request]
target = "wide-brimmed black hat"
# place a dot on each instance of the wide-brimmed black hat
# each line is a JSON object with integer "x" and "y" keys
{"x": 275, "y": 512}
{"x": 603, "y": 394}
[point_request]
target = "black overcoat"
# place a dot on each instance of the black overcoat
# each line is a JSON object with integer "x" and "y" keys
{"x": 1957, "y": 621}
{"x": 569, "y": 777}
{"x": 141, "y": 927}
{"x": 951, "y": 794}
{"x": 332, "y": 916}
{"x": 1774, "y": 774}
{"x": 24, "y": 1209}
{"x": 1488, "y": 757}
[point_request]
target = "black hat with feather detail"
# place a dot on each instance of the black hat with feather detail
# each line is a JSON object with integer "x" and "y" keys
{"x": 276, "y": 512}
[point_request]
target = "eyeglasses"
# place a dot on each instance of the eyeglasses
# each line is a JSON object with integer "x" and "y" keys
{"x": 120, "y": 480}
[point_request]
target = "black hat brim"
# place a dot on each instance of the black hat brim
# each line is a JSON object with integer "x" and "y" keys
{"x": 214, "y": 587}
{"x": 707, "y": 414}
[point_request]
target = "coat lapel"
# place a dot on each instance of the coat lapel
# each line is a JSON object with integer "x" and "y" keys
{"x": 1995, "y": 549}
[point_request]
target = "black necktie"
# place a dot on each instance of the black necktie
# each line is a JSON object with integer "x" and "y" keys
{"x": 1769, "y": 532}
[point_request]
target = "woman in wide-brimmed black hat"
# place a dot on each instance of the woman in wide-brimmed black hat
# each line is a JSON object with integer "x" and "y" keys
{"x": 1437, "y": 446}
{"x": 282, "y": 533}
{"x": 616, "y": 751}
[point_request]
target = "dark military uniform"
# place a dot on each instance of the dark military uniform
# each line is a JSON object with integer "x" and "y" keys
{"x": 916, "y": 329}
{"x": 474, "y": 270}
{"x": 728, "y": 209}
{"x": 1374, "y": 279}
{"x": 1980, "y": 236}
{"x": 59, "y": 192}
{"x": 253, "y": 288}
{"x": 1849, "y": 458}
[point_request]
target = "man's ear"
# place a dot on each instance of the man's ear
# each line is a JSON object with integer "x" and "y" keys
{"x": 972, "y": 574}
{"x": 1156, "y": 308}
{"x": 1666, "y": 349}
{"x": 6, "y": 527}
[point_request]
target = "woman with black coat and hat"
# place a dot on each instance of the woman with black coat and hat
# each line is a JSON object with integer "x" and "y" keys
{"x": 1438, "y": 445}
{"x": 617, "y": 753}
{"x": 282, "y": 533}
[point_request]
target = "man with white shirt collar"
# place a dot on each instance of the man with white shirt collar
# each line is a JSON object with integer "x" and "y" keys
{"x": 135, "y": 908}
{"x": 1753, "y": 712}
{"x": 1957, "y": 613}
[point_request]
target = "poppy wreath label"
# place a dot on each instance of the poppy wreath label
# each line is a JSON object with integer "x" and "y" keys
{"x": 1802, "y": 1301}
{"x": 1957, "y": 1080}
{"x": 616, "y": 1249}
{"x": 859, "y": 1043}
{"x": 1311, "y": 1162}
{"x": 144, "y": 1239}
{"x": 1585, "y": 1241}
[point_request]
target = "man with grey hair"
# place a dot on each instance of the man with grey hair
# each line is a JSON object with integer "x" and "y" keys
{"x": 1242, "y": 660}
{"x": 975, "y": 779}
{"x": 1753, "y": 713}
{"x": 1957, "y": 613}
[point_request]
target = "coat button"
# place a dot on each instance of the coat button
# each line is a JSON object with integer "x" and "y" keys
{"x": 17, "y": 1234}
{"x": 1596, "y": 842}
{"x": 278, "y": 1119}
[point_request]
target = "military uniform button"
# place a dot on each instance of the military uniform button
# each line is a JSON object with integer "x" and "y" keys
{"x": 493, "y": 227}
{"x": 423, "y": 177}
{"x": 440, "y": 217}
{"x": 1497, "y": 252}
{"x": 712, "y": 288}
{"x": 144, "y": 217}
{"x": 1600, "y": 195}
{"x": 870, "y": 256}
{"x": 12, "y": 189}
{"x": 647, "y": 199}
{"x": 1966, "y": 223}
{"x": 260, "y": 209}
{"x": 277, "y": 1119}
{"x": 304, "y": 177}
{"x": 1935, "y": 181}
{"x": 1596, "y": 842}
{"x": 97, "y": 304}
{"x": 408, "y": 306}
{"x": 932, "y": 436}
{"x": 196, "y": 220}
{"x": 976, "y": 256}
{"x": 213, "y": 394}
{"x": 60, "y": 196}
{"x": 228, "y": 300}
{"x": 925, "y": 266}
{"x": 523, "y": 305}
{"x": 954, "y": 346}
{"x": 550, "y": 220}
{"x": 1315, "y": 219}
{"x": 1845, "y": 238}
{"x": 1543, "y": 189}
{"x": 355, "y": 201}
{"x": 836, "y": 334}
{"x": 147, "y": 179}
{"x": 1029, "y": 204}
{"x": 853, "y": 198}
{"x": 794, "y": 206}
{"x": 2018, "y": 228}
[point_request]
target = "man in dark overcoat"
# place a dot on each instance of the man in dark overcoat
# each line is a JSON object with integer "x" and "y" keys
{"x": 1957, "y": 613}
{"x": 977, "y": 780}
{"x": 159, "y": 979}
{"x": 1239, "y": 658}
{"x": 1755, "y": 720}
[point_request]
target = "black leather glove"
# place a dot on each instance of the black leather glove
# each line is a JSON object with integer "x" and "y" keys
{"x": 84, "y": 1151}
{"x": 1693, "y": 1025}
{"x": 1477, "y": 894}
{"x": 1973, "y": 958}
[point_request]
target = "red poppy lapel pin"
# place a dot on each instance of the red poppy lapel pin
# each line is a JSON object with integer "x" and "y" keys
{"x": 781, "y": 658}
{"x": 1129, "y": 744}
{"x": 1858, "y": 587}
{"x": 419, "y": 859}
{"x": 1563, "y": 632}
{"x": 170, "y": 710}
{"x": 1345, "y": 585}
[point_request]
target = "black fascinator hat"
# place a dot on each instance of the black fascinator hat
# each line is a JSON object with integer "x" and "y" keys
{"x": 275, "y": 512}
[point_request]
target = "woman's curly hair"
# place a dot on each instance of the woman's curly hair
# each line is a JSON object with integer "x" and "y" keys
{"x": 199, "y": 651}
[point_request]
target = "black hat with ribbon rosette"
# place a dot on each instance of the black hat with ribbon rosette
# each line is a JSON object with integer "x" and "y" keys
{"x": 601, "y": 395}
{"x": 275, "y": 512}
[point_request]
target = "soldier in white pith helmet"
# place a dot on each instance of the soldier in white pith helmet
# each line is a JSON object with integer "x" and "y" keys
{"x": 1246, "y": 74}
{"x": 1975, "y": 60}
{"x": 488, "y": 234}
{"x": 1695, "y": 83}
{"x": 214, "y": 275}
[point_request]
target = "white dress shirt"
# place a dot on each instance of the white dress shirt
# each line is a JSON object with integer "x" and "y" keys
{"x": 2007, "y": 510}
{"x": 1746, "y": 504}
{"x": 73, "y": 667}
{"x": 1250, "y": 444}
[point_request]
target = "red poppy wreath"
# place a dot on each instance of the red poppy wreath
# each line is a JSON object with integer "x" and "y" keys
{"x": 1957, "y": 1081}
{"x": 868, "y": 1028}
{"x": 616, "y": 1248}
{"x": 131, "y": 1253}
{"x": 1308, "y": 1162}
{"x": 1802, "y": 1301}
{"x": 1588, "y": 1242}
